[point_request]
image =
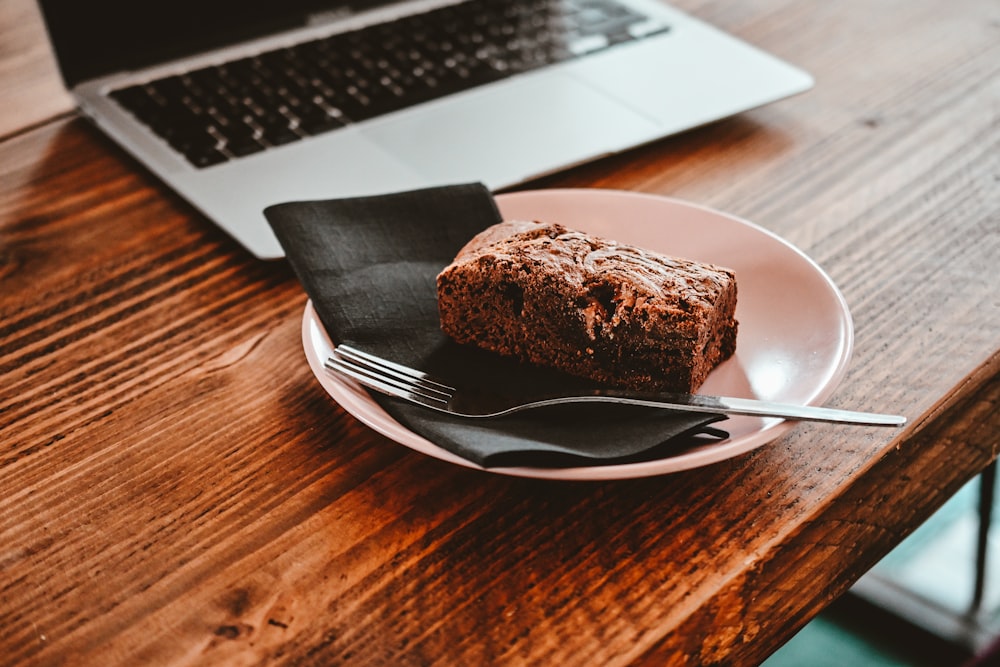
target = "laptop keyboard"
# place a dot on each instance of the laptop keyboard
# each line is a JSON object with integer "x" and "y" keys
{"x": 228, "y": 111}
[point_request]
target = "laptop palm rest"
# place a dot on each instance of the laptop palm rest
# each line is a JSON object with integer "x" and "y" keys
{"x": 507, "y": 133}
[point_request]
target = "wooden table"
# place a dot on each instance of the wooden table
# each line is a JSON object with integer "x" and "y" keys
{"x": 176, "y": 488}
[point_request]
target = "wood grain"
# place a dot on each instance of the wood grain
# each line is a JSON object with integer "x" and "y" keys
{"x": 175, "y": 487}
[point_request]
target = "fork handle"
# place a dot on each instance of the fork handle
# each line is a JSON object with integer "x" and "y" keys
{"x": 747, "y": 406}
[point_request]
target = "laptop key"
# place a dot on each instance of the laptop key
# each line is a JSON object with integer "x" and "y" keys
{"x": 206, "y": 158}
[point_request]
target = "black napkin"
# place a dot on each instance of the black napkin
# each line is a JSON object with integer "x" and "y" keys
{"x": 369, "y": 266}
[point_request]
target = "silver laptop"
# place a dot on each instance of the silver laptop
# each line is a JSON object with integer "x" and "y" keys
{"x": 241, "y": 104}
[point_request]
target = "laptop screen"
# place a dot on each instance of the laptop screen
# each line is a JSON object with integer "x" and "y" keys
{"x": 97, "y": 37}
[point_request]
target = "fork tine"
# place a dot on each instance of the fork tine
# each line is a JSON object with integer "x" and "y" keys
{"x": 393, "y": 369}
{"x": 400, "y": 388}
{"x": 390, "y": 378}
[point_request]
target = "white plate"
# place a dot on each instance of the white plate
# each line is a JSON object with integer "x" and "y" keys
{"x": 794, "y": 340}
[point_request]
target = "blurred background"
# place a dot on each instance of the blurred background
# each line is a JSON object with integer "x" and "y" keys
{"x": 932, "y": 602}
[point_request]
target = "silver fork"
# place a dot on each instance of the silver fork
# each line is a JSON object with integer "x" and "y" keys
{"x": 423, "y": 389}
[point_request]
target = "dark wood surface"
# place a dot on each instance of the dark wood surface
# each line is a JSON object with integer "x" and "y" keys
{"x": 176, "y": 488}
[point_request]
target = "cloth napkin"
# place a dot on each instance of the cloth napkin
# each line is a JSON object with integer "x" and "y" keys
{"x": 369, "y": 265}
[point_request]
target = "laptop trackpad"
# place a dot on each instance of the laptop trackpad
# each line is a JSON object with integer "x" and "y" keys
{"x": 506, "y": 133}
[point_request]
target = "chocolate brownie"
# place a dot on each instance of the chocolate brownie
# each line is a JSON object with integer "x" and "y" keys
{"x": 594, "y": 308}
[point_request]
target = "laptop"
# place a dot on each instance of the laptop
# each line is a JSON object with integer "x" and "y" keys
{"x": 240, "y": 104}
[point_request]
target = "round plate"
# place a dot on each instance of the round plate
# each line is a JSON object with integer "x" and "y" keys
{"x": 795, "y": 331}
